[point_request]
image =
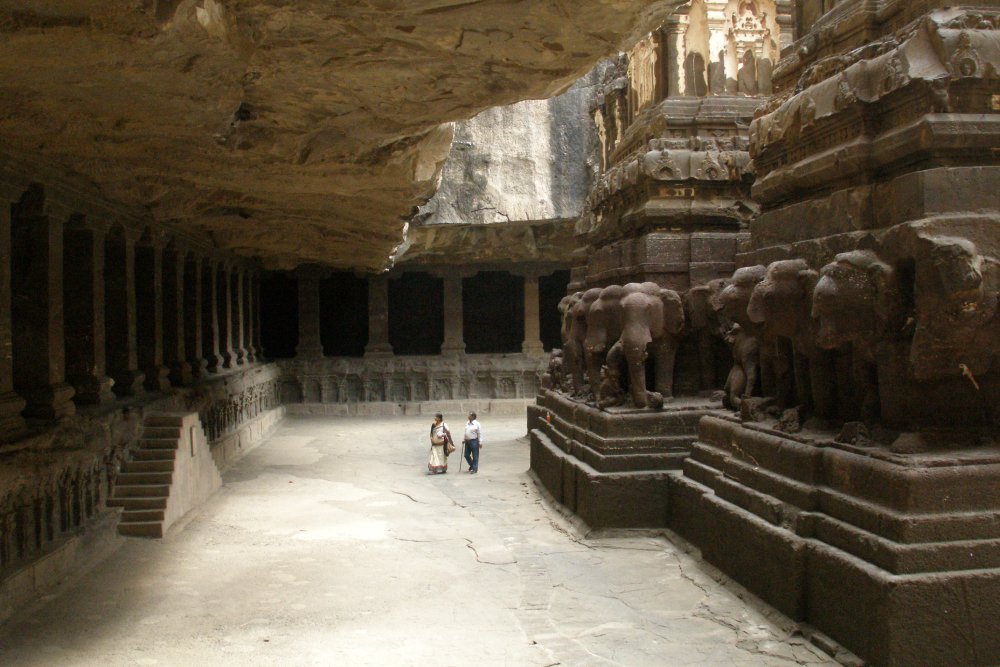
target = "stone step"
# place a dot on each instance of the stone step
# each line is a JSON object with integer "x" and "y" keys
{"x": 138, "y": 503}
{"x": 133, "y": 516}
{"x": 158, "y": 443}
{"x": 145, "y": 478}
{"x": 155, "y": 455}
{"x": 141, "y": 490}
{"x": 149, "y": 465}
{"x": 157, "y": 432}
{"x": 141, "y": 528}
{"x": 163, "y": 420}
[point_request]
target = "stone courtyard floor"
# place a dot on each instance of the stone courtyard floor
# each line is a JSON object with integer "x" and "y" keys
{"x": 330, "y": 545}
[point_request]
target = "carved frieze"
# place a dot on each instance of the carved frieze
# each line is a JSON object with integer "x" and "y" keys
{"x": 936, "y": 52}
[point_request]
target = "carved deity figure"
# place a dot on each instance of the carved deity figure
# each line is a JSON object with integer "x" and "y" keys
{"x": 746, "y": 80}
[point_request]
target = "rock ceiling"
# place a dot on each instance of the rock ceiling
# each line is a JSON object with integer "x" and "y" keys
{"x": 294, "y": 131}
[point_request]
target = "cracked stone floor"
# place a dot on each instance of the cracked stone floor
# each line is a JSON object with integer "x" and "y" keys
{"x": 330, "y": 545}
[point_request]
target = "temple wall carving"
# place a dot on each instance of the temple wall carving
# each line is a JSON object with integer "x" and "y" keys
{"x": 410, "y": 379}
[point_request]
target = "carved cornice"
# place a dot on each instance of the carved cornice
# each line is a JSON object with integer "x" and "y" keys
{"x": 909, "y": 75}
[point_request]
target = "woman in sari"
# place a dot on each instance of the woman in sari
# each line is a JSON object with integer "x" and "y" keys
{"x": 440, "y": 439}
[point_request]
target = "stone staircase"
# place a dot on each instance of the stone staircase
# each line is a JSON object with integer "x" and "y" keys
{"x": 143, "y": 487}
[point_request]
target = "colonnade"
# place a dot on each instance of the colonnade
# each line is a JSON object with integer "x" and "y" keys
{"x": 310, "y": 345}
{"x": 94, "y": 308}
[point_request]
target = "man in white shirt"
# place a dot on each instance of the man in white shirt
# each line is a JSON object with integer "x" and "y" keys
{"x": 473, "y": 441}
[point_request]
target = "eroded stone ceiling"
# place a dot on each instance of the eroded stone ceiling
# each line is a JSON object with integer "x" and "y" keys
{"x": 294, "y": 131}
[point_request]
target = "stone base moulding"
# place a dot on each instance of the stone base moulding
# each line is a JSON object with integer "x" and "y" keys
{"x": 611, "y": 467}
{"x": 897, "y": 557}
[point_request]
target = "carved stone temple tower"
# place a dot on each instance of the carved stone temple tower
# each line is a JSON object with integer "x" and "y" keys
{"x": 876, "y": 171}
{"x": 853, "y": 481}
{"x": 674, "y": 191}
{"x": 670, "y": 207}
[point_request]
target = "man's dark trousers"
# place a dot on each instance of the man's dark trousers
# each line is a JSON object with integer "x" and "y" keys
{"x": 472, "y": 454}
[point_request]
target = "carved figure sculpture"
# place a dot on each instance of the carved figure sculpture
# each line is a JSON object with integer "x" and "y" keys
{"x": 610, "y": 392}
{"x": 782, "y": 305}
{"x": 731, "y": 306}
{"x": 856, "y": 302}
{"x": 704, "y": 327}
{"x": 553, "y": 377}
{"x": 652, "y": 319}
{"x": 746, "y": 351}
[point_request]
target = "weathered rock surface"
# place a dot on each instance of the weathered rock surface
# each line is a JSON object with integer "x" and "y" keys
{"x": 533, "y": 160}
{"x": 294, "y": 132}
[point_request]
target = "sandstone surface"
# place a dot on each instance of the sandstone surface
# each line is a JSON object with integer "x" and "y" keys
{"x": 305, "y": 131}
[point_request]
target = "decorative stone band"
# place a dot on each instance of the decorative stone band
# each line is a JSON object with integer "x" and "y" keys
{"x": 411, "y": 379}
{"x": 938, "y": 50}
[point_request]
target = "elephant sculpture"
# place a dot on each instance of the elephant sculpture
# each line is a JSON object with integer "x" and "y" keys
{"x": 731, "y": 306}
{"x": 955, "y": 303}
{"x": 604, "y": 327}
{"x": 652, "y": 318}
{"x": 856, "y": 302}
{"x": 781, "y": 306}
{"x": 703, "y": 326}
{"x": 576, "y": 336}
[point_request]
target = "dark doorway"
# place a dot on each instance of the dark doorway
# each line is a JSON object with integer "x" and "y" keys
{"x": 551, "y": 290}
{"x": 343, "y": 315}
{"x": 279, "y": 315}
{"x": 416, "y": 314}
{"x": 493, "y": 313}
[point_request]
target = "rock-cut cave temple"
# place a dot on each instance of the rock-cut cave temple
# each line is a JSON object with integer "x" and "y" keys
{"x": 739, "y": 260}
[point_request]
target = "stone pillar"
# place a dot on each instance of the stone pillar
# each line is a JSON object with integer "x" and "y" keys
{"x": 673, "y": 63}
{"x": 258, "y": 346}
{"x": 175, "y": 318}
{"x": 532, "y": 344}
{"x": 37, "y": 310}
{"x": 378, "y": 317}
{"x": 454, "y": 338}
{"x": 250, "y": 322}
{"x": 310, "y": 345}
{"x": 149, "y": 314}
{"x": 11, "y": 404}
{"x": 224, "y": 306}
{"x": 193, "y": 327}
{"x": 86, "y": 344}
{"x": 210, "y": 317}
{"x": 239, "y": 315}
{"x": 119, "y": 313}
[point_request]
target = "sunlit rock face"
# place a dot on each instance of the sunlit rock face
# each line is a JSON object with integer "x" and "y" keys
{"x": 302, "y": 131}
{"x": 534, "y": 160}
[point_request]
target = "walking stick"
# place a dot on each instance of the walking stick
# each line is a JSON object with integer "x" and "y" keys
{"x": 464, "y": 445}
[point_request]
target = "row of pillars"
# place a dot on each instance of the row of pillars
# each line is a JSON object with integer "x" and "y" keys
{"x": 310, "y": 345}
{"x": 91, "y": 311}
